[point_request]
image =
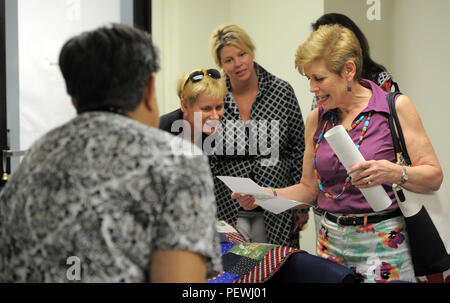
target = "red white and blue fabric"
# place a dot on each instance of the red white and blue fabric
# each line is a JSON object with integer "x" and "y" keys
{"x": 245, "y": 262}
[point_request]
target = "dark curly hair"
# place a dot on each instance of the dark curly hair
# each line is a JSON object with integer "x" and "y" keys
{"x": 108, "y": 67}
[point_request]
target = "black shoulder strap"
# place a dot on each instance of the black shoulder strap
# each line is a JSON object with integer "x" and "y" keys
{"x": 396, "y": 129}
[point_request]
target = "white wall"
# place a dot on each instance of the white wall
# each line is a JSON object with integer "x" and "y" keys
{"x": 43, "y": 27}
{"x": 376, "y": 31}
{"x": 419, "y": 45}
{"x": 181, "y": 29}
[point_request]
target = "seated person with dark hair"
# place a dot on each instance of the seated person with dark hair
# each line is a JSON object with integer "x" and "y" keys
{"x": 103, "y": 198}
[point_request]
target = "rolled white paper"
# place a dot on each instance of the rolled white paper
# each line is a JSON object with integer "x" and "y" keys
{"x": 349, "y": 155}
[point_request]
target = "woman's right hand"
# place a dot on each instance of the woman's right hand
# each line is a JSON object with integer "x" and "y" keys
{"x": 246, "y": 201}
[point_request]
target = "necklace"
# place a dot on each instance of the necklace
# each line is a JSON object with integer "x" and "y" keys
{"x": 361, "y": 137}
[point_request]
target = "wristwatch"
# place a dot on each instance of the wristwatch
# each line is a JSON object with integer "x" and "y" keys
{"x": 404, "y": 176}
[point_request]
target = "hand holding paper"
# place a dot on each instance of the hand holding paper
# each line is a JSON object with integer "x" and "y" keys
{"x": 246, "y": 186}
{"x": 349, "y": 155}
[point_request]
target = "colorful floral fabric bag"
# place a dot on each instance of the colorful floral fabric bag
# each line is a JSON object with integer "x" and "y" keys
{"x": 427, "y": 215}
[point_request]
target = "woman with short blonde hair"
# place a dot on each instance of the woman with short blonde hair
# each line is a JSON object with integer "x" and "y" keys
{"x": 334, "y": 44}
{"x": 372, "y": 243}
{"x": 201, "y": 91}
{"x": 209, "y": 86}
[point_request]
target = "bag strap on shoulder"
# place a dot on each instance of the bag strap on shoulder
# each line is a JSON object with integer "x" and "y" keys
{"x": 396, "y": 129}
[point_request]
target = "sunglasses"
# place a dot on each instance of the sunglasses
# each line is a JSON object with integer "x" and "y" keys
{"x": 199, "y": 75}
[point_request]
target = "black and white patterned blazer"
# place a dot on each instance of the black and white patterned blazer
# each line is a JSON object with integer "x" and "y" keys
{"x": 276, "y": 125}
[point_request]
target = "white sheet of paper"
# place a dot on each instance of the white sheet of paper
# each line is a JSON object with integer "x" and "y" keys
{"x": 246, "y": 186}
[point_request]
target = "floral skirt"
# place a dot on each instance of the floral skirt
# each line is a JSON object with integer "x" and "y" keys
{"x": 376, "y": 252}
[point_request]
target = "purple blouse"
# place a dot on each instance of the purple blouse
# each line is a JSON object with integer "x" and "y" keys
{"x": 377, "y": 145}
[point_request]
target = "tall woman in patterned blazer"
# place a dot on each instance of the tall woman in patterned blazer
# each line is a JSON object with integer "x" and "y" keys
{"x": 263, "y": 137}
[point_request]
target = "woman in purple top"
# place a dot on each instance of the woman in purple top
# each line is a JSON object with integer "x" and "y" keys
{"x": 373, "y": 244}
{"x": 376, "y": 145}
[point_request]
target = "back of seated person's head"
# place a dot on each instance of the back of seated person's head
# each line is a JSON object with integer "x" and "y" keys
{"x": 371, "y": 69}
{"x": 108, "y": 67}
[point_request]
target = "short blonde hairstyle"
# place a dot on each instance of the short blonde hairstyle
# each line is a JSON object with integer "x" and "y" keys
{"x": 189, "y": 91}
{"x": 230, "y": 34}
{"x": 334, "y": 44}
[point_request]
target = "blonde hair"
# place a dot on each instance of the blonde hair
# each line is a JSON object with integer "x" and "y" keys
{"x": 230, "y": 34}
{"x": 334, "y": 44}
{"x": 189, "y": 91}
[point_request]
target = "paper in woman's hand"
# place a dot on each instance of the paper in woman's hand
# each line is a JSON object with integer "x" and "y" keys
{"x": 246, "y": 186}
{"x": 349, "y": 155}
{"x": 277, "y": 205}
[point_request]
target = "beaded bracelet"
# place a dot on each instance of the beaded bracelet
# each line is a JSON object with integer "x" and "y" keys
{"x": 274, "y": 191}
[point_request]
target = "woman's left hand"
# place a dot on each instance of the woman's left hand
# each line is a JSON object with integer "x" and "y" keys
{"x": 374, "y": 172}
